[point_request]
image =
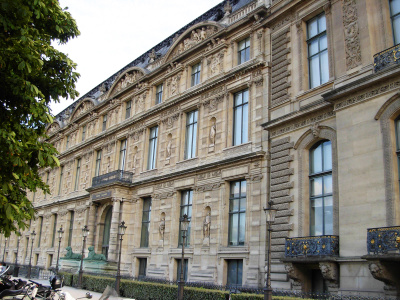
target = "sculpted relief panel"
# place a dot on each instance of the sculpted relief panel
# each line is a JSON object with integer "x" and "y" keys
{"x": 127, "y": 80}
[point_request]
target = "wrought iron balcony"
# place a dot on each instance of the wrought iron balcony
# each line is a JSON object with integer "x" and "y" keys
{"x": 114, "y": 176}
{"x": 383, "y": 240}
{"x": 386, "y": 58}
{"x": 324, "y": 245}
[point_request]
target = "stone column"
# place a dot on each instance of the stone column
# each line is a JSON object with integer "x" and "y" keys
{"x": 113, "y": 248}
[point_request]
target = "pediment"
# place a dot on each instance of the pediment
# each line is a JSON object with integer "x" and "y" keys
{"x": 54, "y": 127}
{"x": 83, "y": 107}
{"x": 191, "y": 37}
{"x": 126, "y": 79}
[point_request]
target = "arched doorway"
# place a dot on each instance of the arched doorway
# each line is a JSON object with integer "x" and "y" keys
{"x": 106, "y": 232}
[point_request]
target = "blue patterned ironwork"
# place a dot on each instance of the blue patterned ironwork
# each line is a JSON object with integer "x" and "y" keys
{"x": 383, "y": 239}
{"x": 114, "y": 176}
{"x": 324, "y": 245}
{"x": 386, "y": 58}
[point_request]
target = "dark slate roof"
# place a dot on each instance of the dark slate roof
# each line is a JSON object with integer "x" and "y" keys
{"x": 214, "y": 14}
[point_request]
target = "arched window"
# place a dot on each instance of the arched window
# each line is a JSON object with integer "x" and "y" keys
{"x": 321, "y": 204}
{"x": 397, "y": 129}
{"x": 106, "y": 232}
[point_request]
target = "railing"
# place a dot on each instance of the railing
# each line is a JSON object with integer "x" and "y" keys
{"x": 383, "y": 240}
{"x": 324, "y": 245}
{"x": 387, "y": 58}
{"x": 114, "y": 176}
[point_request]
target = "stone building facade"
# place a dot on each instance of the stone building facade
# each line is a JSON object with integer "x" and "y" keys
{"x": 290, "y": 104}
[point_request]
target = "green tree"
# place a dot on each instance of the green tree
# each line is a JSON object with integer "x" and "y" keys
{"x": 32, "y": 73}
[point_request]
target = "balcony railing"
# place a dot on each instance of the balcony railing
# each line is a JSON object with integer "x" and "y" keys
{"x": 324, "y": 245}
{"x": 383, "y": 240}
{"x": 114, "y": 176}
{"x": 387, "y": 58}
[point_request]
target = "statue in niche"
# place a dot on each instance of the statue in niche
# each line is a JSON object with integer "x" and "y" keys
{"x": 207, "y": 225}
{"x": 213, "y": 131}
{"x": 161, "y": 227}
{"x": 168, "y": 149}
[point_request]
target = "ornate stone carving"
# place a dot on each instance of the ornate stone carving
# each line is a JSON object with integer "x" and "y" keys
{"x": 207, "y": 175}
{"x": 294, "y": 274}
{"x": 213, "y": 132}
{"x": 161, "y": 228}
{"x": 215, "y": 63}
{"x": 351, "y": 34}
{"x": 381, "y": 273}
{"x": 196, "y": 36}
{"x": 227, "y": 8}
{"x": 169, "y": 121}
{"x": 128, "y": 80}
{"x": 315, "y": 129}
{"x": 53, "y": 128}
{"x": 207, "y": 225}
{"x": 330, "y": 272}
{"x": 83, "y": 108}
{"x": 212, "y": 104}
{"x": 208, "y": 187}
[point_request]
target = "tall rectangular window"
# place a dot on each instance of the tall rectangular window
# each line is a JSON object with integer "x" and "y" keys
{"x": 186, "y": 209}
{"x": 235, "y": 273}
{"x": 122, "y": 155}
{"x": 318, "y": 67}
{"x": 395, "y": 18}
{"x": 241, "y": 117}
{"x": 144, "y": 239}
{"x": 159, "y": 92}
{"x": 142, "y": 267}
{"x": 104, "y": 123}
{"x": 237, "y": 213}
{"x": 40, "y": 230}
{"x": 84, "y": 132}
{"x": 47, "y": 182}
{"x": 191, "y": 134}
{"x": 128, "y": 109}
{"x": 67, "y": 143}
{"x": 179, "y": 268}
{"x": 196, "y": 74}
{"x": 321, "y": 196}
{"x": 98, "y": 163}
{"x": 71, "y": 227}
{"x": 151, "y": 160}
{"x": 61, "y": 180}
{"x": 78, "y": 173}
{"x": 54, "y": 230}
{"x": 244, "y": 50}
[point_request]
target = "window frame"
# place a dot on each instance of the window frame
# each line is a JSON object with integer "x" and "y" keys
{"x": 77, "y": 174}
{"x": 146, "y": 219}
{"x": 104, "y": 123}
{"x": 152, "y": 151}
{"x": 128, "y": 109}
{"x": 195, "y": 74}
{"x": 244, "y": 127}
{"x": 246, "y": 50}
{"x": 142, "y": 266}
{"x": 191, "y": 134}
{"x": 317, "y": 37}
{"x": 159, "y": 93}
{"x": 323, "y": 174}
{"x": 122, "y": 155}
{"x": 240, "y": 227}
{"x": 186, "y": 207}
{"x": 98, "y": 162}
{"x": 71, "y": 227}
{"x": 393, "y": 17}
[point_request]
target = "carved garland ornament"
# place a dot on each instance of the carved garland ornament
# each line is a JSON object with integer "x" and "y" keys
{"x": 351, "y": 34}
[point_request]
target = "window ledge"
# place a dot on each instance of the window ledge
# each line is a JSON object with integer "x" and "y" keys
{"x": 147, "y": 173}
{"x": 189, "y": 160}
{"x": 237, "y": 150}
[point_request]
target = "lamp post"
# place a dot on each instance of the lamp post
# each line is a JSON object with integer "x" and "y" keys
{"x": 121, "y": 232}
{"x": 60, "y": 234}
{"x": 16, "y": 268}
{"x": 270, "y": 214}
{"x": 184, "y": 227}
{"x": 33, "y": 233}
{"x": 85, "y": 233}
{"x": 4, "y": 251}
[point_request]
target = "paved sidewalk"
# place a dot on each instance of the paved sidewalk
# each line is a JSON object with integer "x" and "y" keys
{"x": 75, "y": 292}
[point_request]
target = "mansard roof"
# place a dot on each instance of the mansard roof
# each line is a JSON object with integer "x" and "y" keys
{"x": 214, "y": 15}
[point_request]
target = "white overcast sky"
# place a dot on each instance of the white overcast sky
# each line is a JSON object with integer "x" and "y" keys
{"x": 114, "y": 33}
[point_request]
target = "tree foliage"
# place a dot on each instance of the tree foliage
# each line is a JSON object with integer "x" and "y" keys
{"x": 32, "y": 73}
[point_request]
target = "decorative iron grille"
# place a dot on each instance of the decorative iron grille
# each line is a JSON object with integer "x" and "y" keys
{"x": 324, "y": 245}
{"x": 387, "y": 58}
{"x": 383, "y": 239}
{"x": 114, "y": 176}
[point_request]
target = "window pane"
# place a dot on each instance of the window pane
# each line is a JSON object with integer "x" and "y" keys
{"x": 242, "y": 229}
{"x": 323, "y": 43}
{"x": 321, "y": 23}
{"x": 243, "y": 188}
{"x": 396, "y": 29}
{"x": 394, "y": 7}
{"x": 245, "y": 123}
{"x": 316, "y": 160}
{"x": 327, "y": 184}
{"x": 247, "y": 54}
{"x": 312, "y": 28}
{"x": 316, "y": 217}
{"x": 235, "y": 188}
{"x": 324, "y": 67}
{"x": 314, "y": 72}
{"x": 233, "y": 229}
{"x": 328, "y": 217}
{"x": 238, "y": 126}
{"x": 313, "y": 48}
{"x": 316, "y": 186}
{"x": 327, "y": 155}
{"x": 238, "y": 99}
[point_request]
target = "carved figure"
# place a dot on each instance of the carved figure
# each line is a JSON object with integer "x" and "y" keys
{"x": 161, "y": 228}
{"x": 315, "y": 130}
{"x": 71, "y": 255}
{"x": 94, "y": 256}
{"x": 174, "y": 85}
{"x": 195, "y": 36}
{"x": 203, "y": 34}
{"x": 207, "y": 225}
{"x": 168, "y": 149}
{"x": 213, "y": 131}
